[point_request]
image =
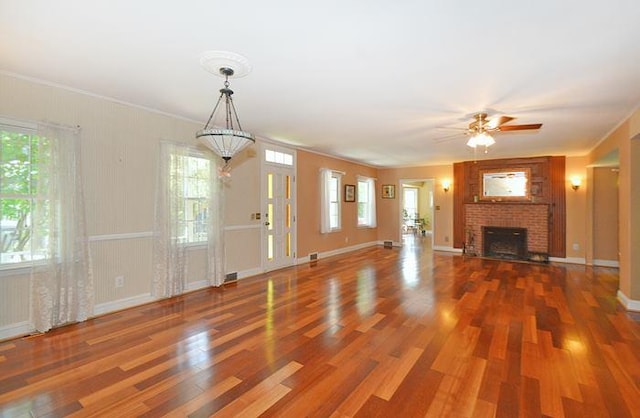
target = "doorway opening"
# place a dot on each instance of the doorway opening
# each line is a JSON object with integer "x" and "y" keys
{"x": 416, "y": 211}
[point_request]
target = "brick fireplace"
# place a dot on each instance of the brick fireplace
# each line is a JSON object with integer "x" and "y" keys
{"x": 533, "y": 217}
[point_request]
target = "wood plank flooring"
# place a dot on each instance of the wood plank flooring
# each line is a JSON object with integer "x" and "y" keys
{"x": 374, "y": 333}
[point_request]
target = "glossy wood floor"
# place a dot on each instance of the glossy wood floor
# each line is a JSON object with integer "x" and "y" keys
{"x": 377, "y": 332}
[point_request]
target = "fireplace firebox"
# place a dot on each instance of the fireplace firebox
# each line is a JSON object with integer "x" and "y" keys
{"x": 504, "y": 242}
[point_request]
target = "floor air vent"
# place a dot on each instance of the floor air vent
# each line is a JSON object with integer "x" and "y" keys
{"x": 231, "y": 277}
{"x": 313, "y": 256}
{"x": 388, "y": 244}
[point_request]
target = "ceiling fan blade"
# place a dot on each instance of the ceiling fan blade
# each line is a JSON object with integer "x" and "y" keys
{"x": 497, "y": 121}
{"x": 451, "y": 128}
{"x": 448, "y": 137}
{"x": 519, "y": 127}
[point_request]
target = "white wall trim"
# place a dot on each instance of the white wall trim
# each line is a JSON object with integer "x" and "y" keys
{"x": 111, "y": 237}
{"x": 97, "y": 96}
{"x": 338, "y": 251}
{"x": 448, "y": 249}
{"x": 120, "y": 304}
{"x": 242, "y": 227}
{"x": 629, "y": 304}
{"x": 251, "y": 272}
{"x": 569, "y": 260}
{"x": 606, "y": 263}
{"x": 200, "y": 284}
{"x": 16, "y": 330}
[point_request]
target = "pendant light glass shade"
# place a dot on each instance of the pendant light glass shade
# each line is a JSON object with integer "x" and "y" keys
{"x": 229, "y": 140}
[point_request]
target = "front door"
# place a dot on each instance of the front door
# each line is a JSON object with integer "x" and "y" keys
{"x": 278, "y": 222}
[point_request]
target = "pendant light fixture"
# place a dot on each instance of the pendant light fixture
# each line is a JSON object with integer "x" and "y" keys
{"x": 227, "y": 137}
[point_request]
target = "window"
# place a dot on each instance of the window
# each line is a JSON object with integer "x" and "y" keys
{"x": 410, "y": 203}
{"x": 366, "y": 202}
{"x": 278, "y": 157}
{"x": 334, "y": 202}
{"x": 330, "y": 219}
{"x": 191, "y": 178}
{"x": 24, "y": 161}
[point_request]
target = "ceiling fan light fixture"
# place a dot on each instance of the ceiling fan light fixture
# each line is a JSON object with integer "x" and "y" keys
{"x": 481, "y": 139}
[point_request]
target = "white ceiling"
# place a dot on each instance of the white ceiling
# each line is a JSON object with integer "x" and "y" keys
{"x": 373, "y": 81}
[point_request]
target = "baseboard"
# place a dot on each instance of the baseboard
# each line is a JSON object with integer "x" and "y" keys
{"x": 118, "y": 305}
{"x": 606, "y": 263}
{"x": 248, "y": 273}
{"x": 200, "y": 284}
{"x": 569, "y": 260}
{"x": 446, "y": 248}
{"x": 16, "y": 330}
{"x": 629, "y": 304}
{"x": 339, "y": 251}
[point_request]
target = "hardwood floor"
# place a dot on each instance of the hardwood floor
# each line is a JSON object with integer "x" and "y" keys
{"x": 373, "y": 333}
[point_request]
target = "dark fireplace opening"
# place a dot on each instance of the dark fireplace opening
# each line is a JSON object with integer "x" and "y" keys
{"x": 503, "y": 242}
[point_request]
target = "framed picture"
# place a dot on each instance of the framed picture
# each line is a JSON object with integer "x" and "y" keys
{"x": 388, "y": 191}
{"x": 349, "y": 193}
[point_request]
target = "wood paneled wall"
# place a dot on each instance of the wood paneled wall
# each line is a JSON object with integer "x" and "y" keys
{"x": 547, "y": 186}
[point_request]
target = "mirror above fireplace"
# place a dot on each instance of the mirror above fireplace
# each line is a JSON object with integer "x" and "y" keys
{"x": 511, "y": 184}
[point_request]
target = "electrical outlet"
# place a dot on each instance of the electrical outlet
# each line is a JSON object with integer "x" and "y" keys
{"x": 119, "y": 281}
{"x": 576, "y": 246}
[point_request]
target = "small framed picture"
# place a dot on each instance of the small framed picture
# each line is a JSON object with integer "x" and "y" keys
{"x": 349, "y": 193}
{"x": 388, "y": 191}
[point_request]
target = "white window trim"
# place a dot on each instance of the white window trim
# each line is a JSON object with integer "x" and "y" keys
{"x": 326, "y": 174}
{"x": 372, "y": 222}
{"x": 192, "y": 152}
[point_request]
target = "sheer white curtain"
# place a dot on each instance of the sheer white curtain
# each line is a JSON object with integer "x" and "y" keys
{"x": 62, "y": 282}
{"x": 371, "y": 201}
{"x": 169, "y": 254}
{"x": 215, "y": 231}
{"x": 170, "y": 246}
{"x": 325, "y": 200}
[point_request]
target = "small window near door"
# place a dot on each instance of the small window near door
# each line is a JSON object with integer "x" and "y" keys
{"x": 277, "y": 157}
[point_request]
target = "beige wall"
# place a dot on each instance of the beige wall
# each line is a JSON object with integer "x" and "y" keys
{"x": 576, "y": 203}
{"x": 625, "y": 139}
{"x": 605, "y": 215}
{"x": 120, "y": 148}
{"x": 242, "y": 198}
{"x": 308, "y": 200}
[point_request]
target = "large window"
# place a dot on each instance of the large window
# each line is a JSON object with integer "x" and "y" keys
{"x": 191, "y": 176}
{"x": 366, "y": 202}
{"x": 24, "y": 159}
{"x": 330, "y": 217}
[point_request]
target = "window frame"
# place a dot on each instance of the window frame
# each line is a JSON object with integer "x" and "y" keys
{"x": 337, "y": 203}
{"x": 367, "y": 221}
{"x": 191, "y": 153}
{"x": 35, "y": 198}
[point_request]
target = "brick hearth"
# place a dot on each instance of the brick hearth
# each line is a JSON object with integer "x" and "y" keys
{"x": 534, "y": 217}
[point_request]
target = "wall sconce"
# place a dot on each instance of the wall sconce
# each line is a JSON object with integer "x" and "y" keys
{"x": 575, "y": 183}
{"x": 446, "y": 185}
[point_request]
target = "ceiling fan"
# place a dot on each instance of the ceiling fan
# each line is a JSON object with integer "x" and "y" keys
{"x": 481, "y": 126}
